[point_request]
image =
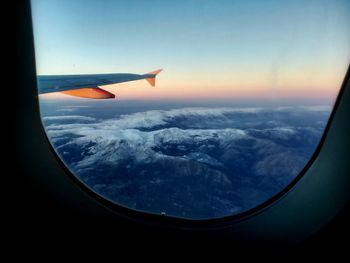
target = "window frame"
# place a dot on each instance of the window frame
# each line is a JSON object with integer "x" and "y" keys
{"x": 295, "y": 215}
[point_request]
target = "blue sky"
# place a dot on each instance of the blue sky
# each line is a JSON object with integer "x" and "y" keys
{"x": 196, "y": 41}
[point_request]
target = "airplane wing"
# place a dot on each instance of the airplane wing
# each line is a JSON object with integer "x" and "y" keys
{"x": 88, "y": 86}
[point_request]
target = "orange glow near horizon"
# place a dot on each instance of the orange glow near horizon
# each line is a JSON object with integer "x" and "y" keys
{"x": 302, "y": 84}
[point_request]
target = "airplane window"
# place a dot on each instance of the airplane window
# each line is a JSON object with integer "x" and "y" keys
{"x": 190, "y": 109}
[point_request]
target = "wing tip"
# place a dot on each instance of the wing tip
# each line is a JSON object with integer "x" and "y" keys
{"x": 155, "y": 72}
{"x": 152, "y": 79}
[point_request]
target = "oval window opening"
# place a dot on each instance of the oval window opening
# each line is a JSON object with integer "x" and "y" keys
{"x": 190, "y": 109}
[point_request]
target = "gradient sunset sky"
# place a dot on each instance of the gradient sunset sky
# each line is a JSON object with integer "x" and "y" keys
{"x": 208, "y": 49}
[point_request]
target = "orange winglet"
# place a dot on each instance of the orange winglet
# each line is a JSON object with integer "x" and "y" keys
{"x": 91, "y": 93}
{"x": 152, "y": 80}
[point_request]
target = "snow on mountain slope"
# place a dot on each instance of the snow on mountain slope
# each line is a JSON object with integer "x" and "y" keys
{"x": 190, "y": 162}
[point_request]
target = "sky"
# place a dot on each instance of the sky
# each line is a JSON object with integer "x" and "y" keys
{"x": 208, "y": 49}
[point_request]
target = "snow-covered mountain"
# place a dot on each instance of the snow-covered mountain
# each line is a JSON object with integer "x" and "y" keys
{"x": 190, "y": 162}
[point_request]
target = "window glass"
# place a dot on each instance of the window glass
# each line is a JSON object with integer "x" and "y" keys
{"x": 245, "y": 94}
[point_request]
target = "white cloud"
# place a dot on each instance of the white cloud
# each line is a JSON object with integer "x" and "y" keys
{"x": 66, "y": 110}
{"x": 149, "y": 119}
{"x": 325, "y": 108}
{"x": 75, "y": 106}
{"x": 68, "y": 117}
